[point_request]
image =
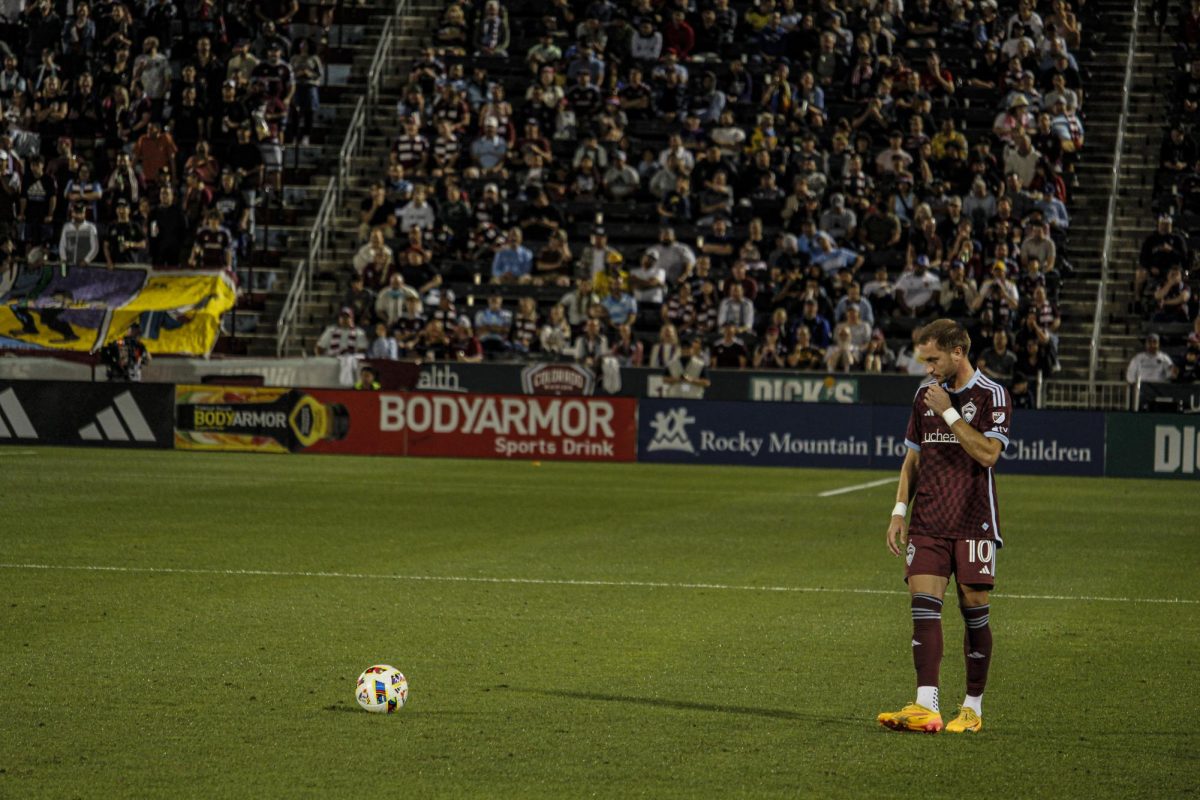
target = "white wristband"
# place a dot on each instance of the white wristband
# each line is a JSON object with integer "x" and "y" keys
{"x": 900, "y": 509}
{"x": 951, "y": 416}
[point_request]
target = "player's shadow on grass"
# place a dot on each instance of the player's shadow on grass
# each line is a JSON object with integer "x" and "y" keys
{"x": 689, "y": 705}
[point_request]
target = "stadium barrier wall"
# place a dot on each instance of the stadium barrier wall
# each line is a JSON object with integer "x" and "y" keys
{"x": 835, "y": 436}
{"x": 406, "y": 423}
{"x": 204, "y": 417}
{"x": 573, "y": 379}
{"x": 1183, "y": 397}
{"x": 1153, "y": 446}
{"x": 86, "y": 414}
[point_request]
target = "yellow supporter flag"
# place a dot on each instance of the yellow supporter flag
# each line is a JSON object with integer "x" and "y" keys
{"x": 88, "y": 307}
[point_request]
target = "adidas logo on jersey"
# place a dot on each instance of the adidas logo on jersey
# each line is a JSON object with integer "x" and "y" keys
{"x": 929, "y": 412}
{"x": 123, "y": 410}
{"x": 984, "y": 570}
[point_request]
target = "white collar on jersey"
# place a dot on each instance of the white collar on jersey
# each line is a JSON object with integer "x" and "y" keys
{"x": 967, "y": 385}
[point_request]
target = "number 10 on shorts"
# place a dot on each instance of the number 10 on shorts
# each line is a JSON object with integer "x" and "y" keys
{"x": 982, "y": 550}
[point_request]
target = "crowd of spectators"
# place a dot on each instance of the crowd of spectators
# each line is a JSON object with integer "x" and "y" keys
{"x": 776, "y": 184}
{"x": 146, "y": 132}
{"x": 1165, "y": 290}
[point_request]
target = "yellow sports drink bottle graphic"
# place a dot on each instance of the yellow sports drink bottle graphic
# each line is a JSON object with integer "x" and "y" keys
{"x": 256, "y": 419}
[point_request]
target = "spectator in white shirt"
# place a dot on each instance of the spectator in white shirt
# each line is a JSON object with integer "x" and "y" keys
{"x": 365, "y": 256}
{"x": 736, "y": 310}
{"x": 418, "y": 213}
{"x": 675, "y": 257}
{"x": 1151, "y": 365}
{"x": 392, "y": 301}
{"x": 342, "y": 338}
{"x": 648, "y": 280}
{"x": 80, "y": 243}
{"x": 917, "y": 289}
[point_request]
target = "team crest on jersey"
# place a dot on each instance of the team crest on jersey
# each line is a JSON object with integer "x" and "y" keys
{"x": 998, "y": 417}
{"x": 909, "y": 553}
{"x": 968, "y": 411}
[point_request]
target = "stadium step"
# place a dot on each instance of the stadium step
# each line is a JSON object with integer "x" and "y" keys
{"x": 352, "y": 45}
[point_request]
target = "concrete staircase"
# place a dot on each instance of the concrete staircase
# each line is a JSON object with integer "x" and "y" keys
{"x": 1089, "y": 206}
{"x": 284, "y": 225}
{"x": 325, "y": 292}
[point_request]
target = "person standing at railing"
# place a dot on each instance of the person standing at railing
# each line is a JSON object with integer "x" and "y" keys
{"x": 125, "y": 240}
{"x": 80, "y": 243}
{"x": 308, "y": 71}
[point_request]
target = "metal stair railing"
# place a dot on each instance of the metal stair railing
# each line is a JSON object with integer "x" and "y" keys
{"x": 1114, "y": 184}
{"x": 320, "y": 236}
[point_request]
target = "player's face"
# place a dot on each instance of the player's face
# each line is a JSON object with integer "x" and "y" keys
{"x": 939, "y": 364}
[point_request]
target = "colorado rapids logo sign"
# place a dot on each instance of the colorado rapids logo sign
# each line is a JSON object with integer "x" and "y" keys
{"x": 968, "y": 411}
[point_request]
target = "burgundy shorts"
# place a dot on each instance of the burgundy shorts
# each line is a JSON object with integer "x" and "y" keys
{"x": 971, "y": 561}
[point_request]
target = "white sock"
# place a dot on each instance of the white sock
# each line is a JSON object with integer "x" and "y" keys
{"x": 975, "y": 703}
{"x": 928, "y": 696}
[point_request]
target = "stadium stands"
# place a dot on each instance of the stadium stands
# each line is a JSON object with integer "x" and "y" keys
{"x": 232, "y": 105}
{"x": 791, "y": 151}
{"x": 1166, "y": 294}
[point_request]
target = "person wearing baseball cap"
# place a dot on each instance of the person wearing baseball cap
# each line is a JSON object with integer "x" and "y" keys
{"x": 343, "y": 338}
{"x": 1151, "y": 365}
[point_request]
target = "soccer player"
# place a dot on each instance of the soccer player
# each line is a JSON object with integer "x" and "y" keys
{"x": 958, "y": 429}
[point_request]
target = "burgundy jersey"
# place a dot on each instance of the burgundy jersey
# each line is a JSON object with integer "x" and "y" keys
{"x": 956, "y": 495}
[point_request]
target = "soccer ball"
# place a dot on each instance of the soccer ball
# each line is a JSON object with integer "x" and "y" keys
{"x": 382, "y": 689}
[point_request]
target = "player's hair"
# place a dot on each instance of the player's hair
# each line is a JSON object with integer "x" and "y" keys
{"x": 946, "y": 334}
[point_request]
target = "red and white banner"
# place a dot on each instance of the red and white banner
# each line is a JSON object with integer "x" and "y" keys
{"x": 484, "y": 426}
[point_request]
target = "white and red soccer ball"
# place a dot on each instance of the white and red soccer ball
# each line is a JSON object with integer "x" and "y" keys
{"x": 382, "y": 689}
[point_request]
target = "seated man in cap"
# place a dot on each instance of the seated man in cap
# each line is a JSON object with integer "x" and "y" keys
{"x": 1151, "y": 365}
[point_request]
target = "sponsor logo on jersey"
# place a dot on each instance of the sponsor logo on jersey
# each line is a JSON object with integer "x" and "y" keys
{"x": 969, "y": 410}
{"x": 929, "y": 412}
{"x": 984, "y": 571}
{"x": 998, "y": 417}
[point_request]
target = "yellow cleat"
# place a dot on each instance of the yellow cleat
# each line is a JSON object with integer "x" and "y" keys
{"x": 967, "y": 721}
{"x": 912, "y": 718}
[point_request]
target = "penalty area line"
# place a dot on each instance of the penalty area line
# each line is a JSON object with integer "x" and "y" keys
{"x": 727, "y": 587}
{"x": 856, "y": 487}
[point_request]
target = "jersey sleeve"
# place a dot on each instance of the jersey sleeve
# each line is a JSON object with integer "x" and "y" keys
{"x": 912, "y": 436}
{"x": 998, "y": 419}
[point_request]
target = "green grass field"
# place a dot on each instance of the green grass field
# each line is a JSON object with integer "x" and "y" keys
{"x": 185, "y": 625}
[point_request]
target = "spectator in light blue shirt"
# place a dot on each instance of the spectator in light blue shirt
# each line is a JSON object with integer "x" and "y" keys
{"x": 620, "y": 305}
{"x": 831, "y": 258}
{"x": 512, "y": 263}
{"x": 488, "y": 151}
{"x": 1054, "y": 212}
{"x": 854, "y": 298}
{"x": 493, "y": 325}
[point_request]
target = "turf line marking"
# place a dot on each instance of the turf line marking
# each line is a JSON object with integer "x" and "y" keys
{"x": 18, "y": 453}
{"x": 857, "y": 486}
{"x": 268, "y": 573}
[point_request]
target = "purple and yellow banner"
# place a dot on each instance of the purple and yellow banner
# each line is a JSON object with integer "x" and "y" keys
{"x": 84, "y": 308}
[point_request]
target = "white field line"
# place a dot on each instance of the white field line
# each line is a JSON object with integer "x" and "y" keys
{"x": 560, "y": 582}
{"x": 4, "y": 452}
{"x": 858, "y": 486}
